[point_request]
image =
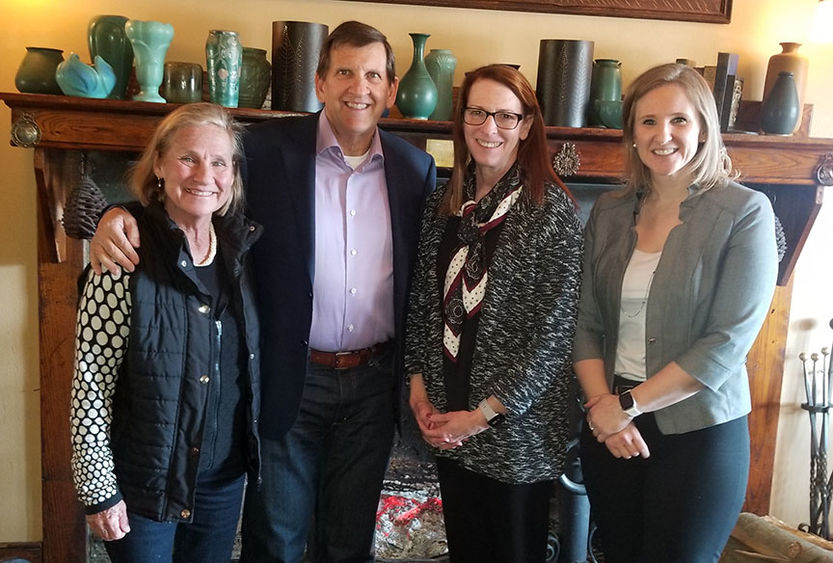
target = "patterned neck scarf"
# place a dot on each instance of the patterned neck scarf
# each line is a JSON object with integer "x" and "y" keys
{"x": 467, "y": 276}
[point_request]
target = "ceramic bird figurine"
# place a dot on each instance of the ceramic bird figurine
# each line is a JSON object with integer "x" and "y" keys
{"x": 80, "y": 79}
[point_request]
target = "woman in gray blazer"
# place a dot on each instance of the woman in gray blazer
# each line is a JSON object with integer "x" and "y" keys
{"x": 491, "y": 323}
{"x": 679, "y": 272}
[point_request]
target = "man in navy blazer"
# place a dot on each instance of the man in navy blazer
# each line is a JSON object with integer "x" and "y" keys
{"x": 333, "y": 271}
{"x": 340, "y": 202}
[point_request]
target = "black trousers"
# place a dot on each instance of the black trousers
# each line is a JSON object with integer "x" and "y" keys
{"x": 677, "y": 506}
{"x": 488, "y": 520}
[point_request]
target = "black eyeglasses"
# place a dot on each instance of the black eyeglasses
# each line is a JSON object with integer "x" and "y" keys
{"x": 503, "y": 119}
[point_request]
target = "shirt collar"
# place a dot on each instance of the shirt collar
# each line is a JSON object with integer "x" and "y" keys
{"x": 326, "y": 140}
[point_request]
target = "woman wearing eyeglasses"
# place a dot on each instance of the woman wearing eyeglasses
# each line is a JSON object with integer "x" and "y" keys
{"x": 492, "y": 318}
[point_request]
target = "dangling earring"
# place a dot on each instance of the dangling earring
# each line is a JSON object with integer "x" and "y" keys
{"x": 634, "y": 145}
{"x": 160, "y": 184}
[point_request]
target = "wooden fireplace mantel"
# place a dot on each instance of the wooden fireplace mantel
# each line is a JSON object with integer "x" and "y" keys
{"x": 790, "y": 170}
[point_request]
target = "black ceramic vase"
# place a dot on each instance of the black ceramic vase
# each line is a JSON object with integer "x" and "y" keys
{"x": 565, "y": 67}
{"x": 295, "y": 50}
{"x": 780, "y": 111}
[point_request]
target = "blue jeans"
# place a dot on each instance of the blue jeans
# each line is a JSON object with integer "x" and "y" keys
{"x": 322, "y": 479}
{"x": 209, "y": 538}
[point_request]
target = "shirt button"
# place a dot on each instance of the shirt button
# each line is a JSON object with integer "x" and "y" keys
{"x": 204, "y": 309}
{"x": 251, "y": 356}
{"x": 350, "y": 328}
{"x": 353, "y": 252}
{"x": 184, "y": 264}
{"x": 353, "y": 291}
{"x": 195, "y": 451}
{"x": 185, "y": 513}
{"x": 352, "y": 213}
{"x": 204, "y": 379}
{"x": 652, "y": 340}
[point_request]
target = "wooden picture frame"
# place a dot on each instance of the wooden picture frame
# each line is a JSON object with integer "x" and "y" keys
{"x": 706, "y": 11}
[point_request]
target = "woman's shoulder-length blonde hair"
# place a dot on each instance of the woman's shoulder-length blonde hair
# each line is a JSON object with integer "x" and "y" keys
{"x": 533, "y": 152}
{"x": 143, "y": 181}
{"x": 711, "y": 166}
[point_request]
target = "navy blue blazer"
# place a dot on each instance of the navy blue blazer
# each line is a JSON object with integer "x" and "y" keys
{"x": 279, "y": 175}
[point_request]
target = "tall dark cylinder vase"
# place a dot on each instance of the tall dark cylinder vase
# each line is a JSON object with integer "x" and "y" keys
{"x": 295, "y": 50}
{"x": 565, "y": 67}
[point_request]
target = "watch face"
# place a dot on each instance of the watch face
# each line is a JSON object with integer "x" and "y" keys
{"x": 496, "y": 420}
{"x": 626, "y": 401}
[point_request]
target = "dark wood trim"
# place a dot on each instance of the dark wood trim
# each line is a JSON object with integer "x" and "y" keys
{"x": 706, "y": 11}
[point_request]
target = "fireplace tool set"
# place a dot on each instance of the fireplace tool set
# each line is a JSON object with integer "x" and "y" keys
{"x": 818, "y": 386}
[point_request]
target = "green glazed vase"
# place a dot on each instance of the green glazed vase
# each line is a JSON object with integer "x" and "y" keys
{"x": 441, "y": 64}
{"x": 223, "y": 59}
{"x": 780, "y": 110}
{"x": 605, "y": 86}
{"x": 417, "y": 96}
{"x": 255, "y": 78}
{"x": 36, "y": 73}
{"x": 106, "y": 38}
{"x": 150, "y": 41}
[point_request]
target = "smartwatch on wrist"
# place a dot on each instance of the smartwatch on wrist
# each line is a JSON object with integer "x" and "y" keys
{"x": 628, "y": 404}
{"x": 493, "y": 418}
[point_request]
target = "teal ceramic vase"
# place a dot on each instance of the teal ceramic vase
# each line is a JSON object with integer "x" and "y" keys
{"x": 223, "y": 58}
{"x": 150, "y": 41}
{"x": 80, "y": 79}
{"x": 36, "y": 73}
{"x": 106, "y": 38}
{"x": 417, "y": 96}
{"x": 441, "y": 64}
{"x": 255, "y": 78}
{"x": 605, "y": 86}
{"x": 780, "y": 111}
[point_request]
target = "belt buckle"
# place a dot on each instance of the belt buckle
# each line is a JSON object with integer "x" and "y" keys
{"x": 342, "y": 360}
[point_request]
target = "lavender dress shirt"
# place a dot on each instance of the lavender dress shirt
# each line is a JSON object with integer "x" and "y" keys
{"x": 352, "y": 305}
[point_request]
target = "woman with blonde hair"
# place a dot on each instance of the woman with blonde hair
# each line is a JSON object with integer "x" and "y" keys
{"x": 165, "y": 396}
{"x": 679, "y": 271}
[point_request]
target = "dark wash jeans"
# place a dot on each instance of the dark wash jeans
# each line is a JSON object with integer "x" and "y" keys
{"x": 677, "y": 506}
{"x": 322, "y": 480}
{"x": 209, "y": 538}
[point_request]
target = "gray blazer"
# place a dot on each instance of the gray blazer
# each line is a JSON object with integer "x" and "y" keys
{"x": 710, "y": 294}
{"x": 523, "y": 347}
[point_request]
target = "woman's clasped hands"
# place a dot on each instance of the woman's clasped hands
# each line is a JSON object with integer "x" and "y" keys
{"x": 611, "y": 426}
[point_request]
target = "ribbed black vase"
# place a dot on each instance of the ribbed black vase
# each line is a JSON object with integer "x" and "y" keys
{"x": 295, "y": 50}
{"x": 565, "y": 67}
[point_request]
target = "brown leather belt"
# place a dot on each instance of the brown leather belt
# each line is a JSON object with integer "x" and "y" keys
{"x": 347, "y": 360}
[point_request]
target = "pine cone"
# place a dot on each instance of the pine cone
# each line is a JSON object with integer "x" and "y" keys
{"x": 83, "y": 208}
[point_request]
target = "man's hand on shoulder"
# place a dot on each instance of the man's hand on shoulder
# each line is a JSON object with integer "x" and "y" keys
{"x": 114, "y": 245}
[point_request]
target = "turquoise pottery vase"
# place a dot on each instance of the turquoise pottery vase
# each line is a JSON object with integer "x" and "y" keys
{"x": 36, "y": 73}
{"x": 255, "y": 78}
{"x": 223, "y": 58}
{"x": 107, "y": 38}
{"x": 80, "y": 79}
{"x": 417, "y": 96}
{"x": 441, "y": 64}
{"x": 150, "y": 41}
{"x": 781, "y": 110}
{"x": 605, "y": 86}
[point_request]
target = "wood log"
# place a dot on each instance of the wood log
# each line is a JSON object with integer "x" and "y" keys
{"x": 762, "y": 537}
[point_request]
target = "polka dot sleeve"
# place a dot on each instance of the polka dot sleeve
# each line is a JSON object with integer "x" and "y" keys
{"x": 102, "y": 328}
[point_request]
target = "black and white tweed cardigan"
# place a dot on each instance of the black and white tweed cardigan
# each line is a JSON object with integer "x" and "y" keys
{"x": 524, "y": 343}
